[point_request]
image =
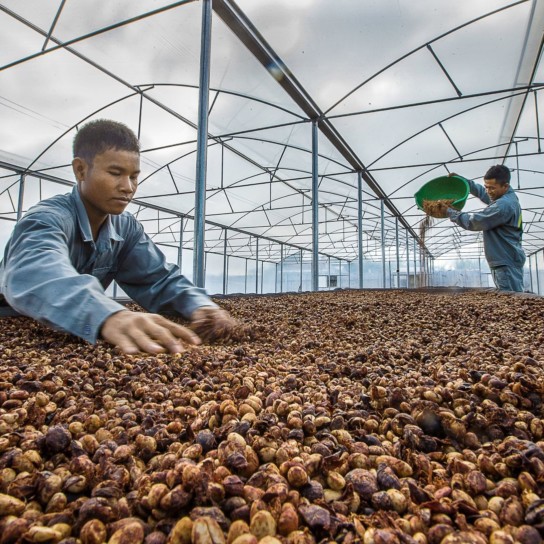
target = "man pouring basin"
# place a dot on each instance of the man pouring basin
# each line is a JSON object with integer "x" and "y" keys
{"x": 501, "y": 223}
{"x": 66, "y": 250}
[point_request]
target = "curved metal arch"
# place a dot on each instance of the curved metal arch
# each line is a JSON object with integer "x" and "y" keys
{"x": 462, "y": 112}
{"x": 306, "y": 227}
{"x": 115, "y": 77}
{"x": 140, "y": 92}
{"x": 167, "y": 164}
{"x": 265, "y": 171}
{"x": 260, "y": 206}
{"x": 76, "y": 125}
{"x": 211, "y": 192}
{"x": 285, "y": 182}
{"x": 423, "y": 46}
{"x": 63, "y": 45}
{"x": 237, "y": 184}
{"x": 257, "y": 45}
{"x": 533, "y": 87}
{"x": 235, "y": 230}
{"x": 282, "y": 144}
{"x": 331, "y": 177}
{"x": 16, "y": 182}
{"x": 445, "y": 164}
{"x": 298, "y": 148}
{"x": 233, "y": 93}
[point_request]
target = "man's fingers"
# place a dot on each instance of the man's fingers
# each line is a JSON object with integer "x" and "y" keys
{"x": 183, "y": 333}
{"x": 139, "y": 341}
{"x": 151, "y": 333}
{"x": 213, "y": 324}
{"x": 128, "y": 346}
{"x": 157, "y": 334}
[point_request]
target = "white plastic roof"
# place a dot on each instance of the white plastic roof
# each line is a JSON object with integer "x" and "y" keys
{"x": 409, "y": 90}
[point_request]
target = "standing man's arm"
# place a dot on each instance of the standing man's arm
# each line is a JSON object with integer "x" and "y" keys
{"x": 478, "y": 190}
{"x": 489, "y": 218}
{"x": 475, "y": 189}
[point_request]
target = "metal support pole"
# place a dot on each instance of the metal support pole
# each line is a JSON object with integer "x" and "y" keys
{"x": 517, "y": 163}
{"x": 315, "y": 210}
{"x": 245, "y": 280}
{"x": 340, "y": 273}
{"x": 225, "y": 263}
{"x": 390, "y": 277}
{"x": 227, "y": 286}
{"x": 349, "y": 274}
{"x": 21, "y": 197}
{"x": 415, "y": 264}
{"x": 537, "y": 124}
{"x": 537, "y": 278}
{"x": 531, "y": 274}
{"x": 407, "y": 261}
{"x": 382, "y": 209}
{"x": 398, "y": 252}
{"x": 262, "y": 276}
{"x": 360, "y": 225}
{"x": 180, "y": 247}
{"x": 281, "y": 268}
{"x": 202, "y": 144}
{"x": 300, "y": 287}
{"x": 480, "y": 272}
{"x": 424, "y": 268}
{"x": 276, "y": 279}
{"x": 329, "y": 265}
{"x": 256, "y": 265}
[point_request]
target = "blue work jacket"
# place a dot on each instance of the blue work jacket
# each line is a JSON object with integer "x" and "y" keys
{"x": 501, "y": 223}
{"x": 54, "y": 272}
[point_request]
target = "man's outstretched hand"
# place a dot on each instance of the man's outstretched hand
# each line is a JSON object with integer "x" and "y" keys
{"x": 212, "y": 323}
{"x": 134, "y": 332}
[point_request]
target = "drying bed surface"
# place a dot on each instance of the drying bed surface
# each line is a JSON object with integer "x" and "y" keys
{"x": 348, "y": 416}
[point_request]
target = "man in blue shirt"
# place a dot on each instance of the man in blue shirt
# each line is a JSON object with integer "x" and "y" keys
{"x": 501, "y": 223}
{"x": 66, "y": 250}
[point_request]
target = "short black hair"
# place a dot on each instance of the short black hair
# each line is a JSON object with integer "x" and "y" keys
{"x": 500, "y": 173}
{"x": 100, "y": 135}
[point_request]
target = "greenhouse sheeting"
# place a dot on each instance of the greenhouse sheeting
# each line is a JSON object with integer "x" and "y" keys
{"x": 323, "y": 118}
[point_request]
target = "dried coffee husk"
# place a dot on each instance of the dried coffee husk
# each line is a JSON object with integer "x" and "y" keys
{"x": 433, "y": 209}
{"x": 436, "y": 208}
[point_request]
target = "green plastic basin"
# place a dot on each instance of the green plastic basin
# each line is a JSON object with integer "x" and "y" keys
{"x": 444, "y": 188}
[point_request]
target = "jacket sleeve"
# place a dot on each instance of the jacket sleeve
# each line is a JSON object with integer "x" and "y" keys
{"x": 155, "y": 284}
{"x": 486, "y": 219}
{"x": 39, "y": 280}
{"x": 478, "y": 191}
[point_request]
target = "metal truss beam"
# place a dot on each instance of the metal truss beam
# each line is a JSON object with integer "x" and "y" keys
{"x": 248, "y": 34}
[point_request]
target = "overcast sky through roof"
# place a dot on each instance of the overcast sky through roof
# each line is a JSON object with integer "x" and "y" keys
{"x": 414, "y": 88}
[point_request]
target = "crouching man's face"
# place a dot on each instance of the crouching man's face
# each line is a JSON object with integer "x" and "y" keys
{"x": 108, "y": 184}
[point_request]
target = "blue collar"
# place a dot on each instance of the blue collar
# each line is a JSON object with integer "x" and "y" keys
{"x": 107, "y": 230}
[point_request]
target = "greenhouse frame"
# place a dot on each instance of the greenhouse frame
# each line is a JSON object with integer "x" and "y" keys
{"x": 235, "y": 305}
{"x": 282, "y": 142}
